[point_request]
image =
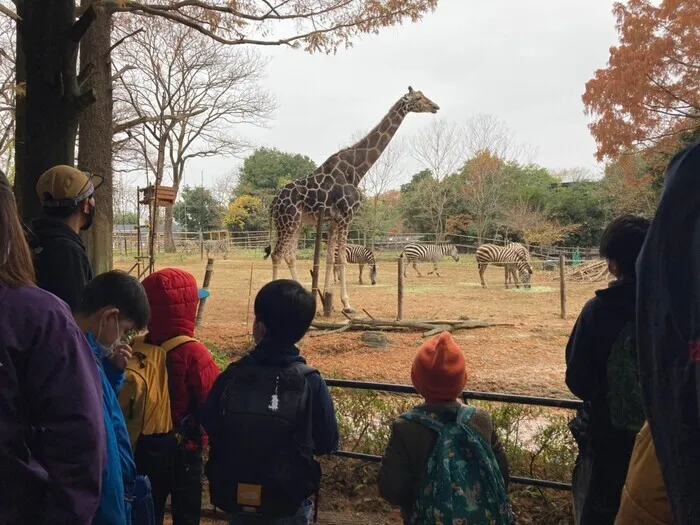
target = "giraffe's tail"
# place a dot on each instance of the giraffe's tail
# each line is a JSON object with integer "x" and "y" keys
{"x": 268, "y": 248}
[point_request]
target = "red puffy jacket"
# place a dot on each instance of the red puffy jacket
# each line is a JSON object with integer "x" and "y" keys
{"x": 173, "y": 297}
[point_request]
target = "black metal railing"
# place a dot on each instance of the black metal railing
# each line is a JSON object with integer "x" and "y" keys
{"x": 466, "y": 395}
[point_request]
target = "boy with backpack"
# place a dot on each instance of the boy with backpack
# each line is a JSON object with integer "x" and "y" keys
{"x": 168, "y": 379}
{"x": 267, "y": 415}
{"x": 444, "y": 462}
{"x": 602, "y": 370}
{"x": 110, "y": 305}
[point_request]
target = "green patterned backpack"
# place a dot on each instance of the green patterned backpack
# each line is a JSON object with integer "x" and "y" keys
{"x": 462, "y": 484}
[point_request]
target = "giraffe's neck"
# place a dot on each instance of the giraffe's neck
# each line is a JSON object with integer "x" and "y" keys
{"x": 365, "y": 153}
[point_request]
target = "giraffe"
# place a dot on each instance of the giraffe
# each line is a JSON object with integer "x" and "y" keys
{"x": 332, "y": 189}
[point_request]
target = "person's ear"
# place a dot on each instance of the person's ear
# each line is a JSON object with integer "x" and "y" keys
{"x": 613, "y": 268}
{"x": 259, "y": 331}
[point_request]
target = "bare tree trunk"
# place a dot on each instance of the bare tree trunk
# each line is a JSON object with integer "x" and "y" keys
{"x": 95, "y": 139}
{"x": 168, "y": 240}
{"x": 47, "y": 120}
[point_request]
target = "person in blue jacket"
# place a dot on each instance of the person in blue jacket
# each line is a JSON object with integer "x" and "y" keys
{"x": 111, "y": 305}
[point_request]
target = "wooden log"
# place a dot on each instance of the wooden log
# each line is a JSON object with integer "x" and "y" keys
{"x": 207, "y": 280}
{"x": 327, "y": 304}
{"x": 562, "y": 286}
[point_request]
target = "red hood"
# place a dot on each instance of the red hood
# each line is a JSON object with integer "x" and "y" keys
{"x": 172, "y": 295}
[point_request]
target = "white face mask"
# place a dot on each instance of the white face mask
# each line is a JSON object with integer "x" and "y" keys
{"x": 106, "y": 351}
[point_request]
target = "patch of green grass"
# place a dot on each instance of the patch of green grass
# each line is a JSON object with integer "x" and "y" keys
{"x": 221, "y": 359}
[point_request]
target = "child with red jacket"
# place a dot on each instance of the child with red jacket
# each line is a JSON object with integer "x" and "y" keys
{"x": 174, "y": 462}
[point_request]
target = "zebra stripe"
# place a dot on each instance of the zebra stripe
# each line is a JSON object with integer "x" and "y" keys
{"x": 428, "y": 252}
{"x": 506, "y": 256}
{"x": 521, "y": 249}
{"x": 357, "y": 254}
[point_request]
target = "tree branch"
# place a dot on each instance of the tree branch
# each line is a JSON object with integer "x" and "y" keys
{"x": 119, "y": 73}
{"x": 121, "y": 40}
{"x": 8, "y": 12}
{"x": 83, "y": 23}
{"x": 123, "y": 126}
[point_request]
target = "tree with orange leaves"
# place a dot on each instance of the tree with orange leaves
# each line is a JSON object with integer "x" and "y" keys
{"x": 648, "y": 97}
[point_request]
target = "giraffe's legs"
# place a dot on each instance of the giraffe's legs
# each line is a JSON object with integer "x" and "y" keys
{"x": 291, "y": 258}
{"x": 361, "y": 267}
{"x": 286, "y": 248}
{"x": 342, "y": 239}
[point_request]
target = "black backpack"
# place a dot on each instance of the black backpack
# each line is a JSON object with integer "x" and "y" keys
{"x": 266, "y": 466}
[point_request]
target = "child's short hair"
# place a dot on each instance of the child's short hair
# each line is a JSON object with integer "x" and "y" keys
{"x": 120, "y": 290}
{"x": 286, "y": 310}
{"x": 622, "y": 241}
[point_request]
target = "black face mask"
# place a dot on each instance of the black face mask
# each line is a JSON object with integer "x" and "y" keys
{"x": 90, "y": 216}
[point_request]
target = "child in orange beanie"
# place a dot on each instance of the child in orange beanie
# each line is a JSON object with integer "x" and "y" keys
{"x": 444, "y": 462}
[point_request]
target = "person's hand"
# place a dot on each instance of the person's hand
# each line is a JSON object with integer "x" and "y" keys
{"x": 120, "y": 357}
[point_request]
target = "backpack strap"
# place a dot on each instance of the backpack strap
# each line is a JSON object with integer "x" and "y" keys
{"x": 465, "y": 413}
{"x": 302, "y": 368}
{"x": 172, "y": 344}
{"x": 425, "y": 418}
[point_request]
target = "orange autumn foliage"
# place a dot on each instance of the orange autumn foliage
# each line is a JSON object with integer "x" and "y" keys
{"x": 648, "y": 96}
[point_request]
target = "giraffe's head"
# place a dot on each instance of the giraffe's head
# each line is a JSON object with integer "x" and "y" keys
{"x": 417, "y": 102}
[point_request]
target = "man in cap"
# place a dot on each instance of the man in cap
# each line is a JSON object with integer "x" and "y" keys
{"x": 68, "y": 207}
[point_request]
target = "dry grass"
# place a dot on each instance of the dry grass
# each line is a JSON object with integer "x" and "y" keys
{"x": 526, "y": 358}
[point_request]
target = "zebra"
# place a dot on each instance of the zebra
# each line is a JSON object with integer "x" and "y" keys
{"x": 509, "y": 257}
{"x": 357, "y": 254}
{"x": 428, "y": 252}
{"x": 520, "y": 248}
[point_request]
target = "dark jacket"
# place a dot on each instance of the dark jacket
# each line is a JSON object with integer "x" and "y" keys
{"x": 410, "y": 446}
{"x": 587, "y": 352}
{"x": 60, "y": 260}
{"x": 52, "y": 438}
{"x": 668, "y": 333}
{"x": 324, "y": 427}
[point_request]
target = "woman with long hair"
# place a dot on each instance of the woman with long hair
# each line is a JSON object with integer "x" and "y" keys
{"x": 52, "y": 441}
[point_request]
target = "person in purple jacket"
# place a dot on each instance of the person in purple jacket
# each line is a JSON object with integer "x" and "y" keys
{"x": 52, "y": 438}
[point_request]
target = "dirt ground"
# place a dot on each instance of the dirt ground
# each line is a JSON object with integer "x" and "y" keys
{"x": 525, "y": 358}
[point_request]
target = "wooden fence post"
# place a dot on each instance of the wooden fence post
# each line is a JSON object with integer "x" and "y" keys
{"x": 399, "y": 314}
{"x": 315, "y": 272}
{"x": 207, "y": 279}
{"x": 562, "y": 285}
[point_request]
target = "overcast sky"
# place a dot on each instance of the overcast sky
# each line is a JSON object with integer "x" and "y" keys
{"x": 525, "y": 62}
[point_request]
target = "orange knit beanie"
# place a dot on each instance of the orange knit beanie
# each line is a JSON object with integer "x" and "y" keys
{"x": 439, "y": 370}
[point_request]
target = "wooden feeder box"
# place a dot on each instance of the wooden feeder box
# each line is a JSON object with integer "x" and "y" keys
{"x": 166, "y": 195}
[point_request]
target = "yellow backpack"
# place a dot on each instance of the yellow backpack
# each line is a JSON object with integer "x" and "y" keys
{"x": 144, "y": 397}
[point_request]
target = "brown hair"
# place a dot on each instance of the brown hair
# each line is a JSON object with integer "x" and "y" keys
{"x": 16, "y": 266}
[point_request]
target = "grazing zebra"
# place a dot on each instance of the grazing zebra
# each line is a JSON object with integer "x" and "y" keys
{"x": 357, "y": 254}
{"x": 520, "y": 248}
{"x": 428, "y": 252}
{"x": 506, "y": 256}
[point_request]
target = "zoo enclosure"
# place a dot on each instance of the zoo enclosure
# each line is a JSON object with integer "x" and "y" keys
{"x": 222, "y": 241}
{"x": 466, "y": 395}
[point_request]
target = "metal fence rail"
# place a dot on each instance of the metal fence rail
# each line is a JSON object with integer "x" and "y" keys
{"x": 466, "y": 395}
